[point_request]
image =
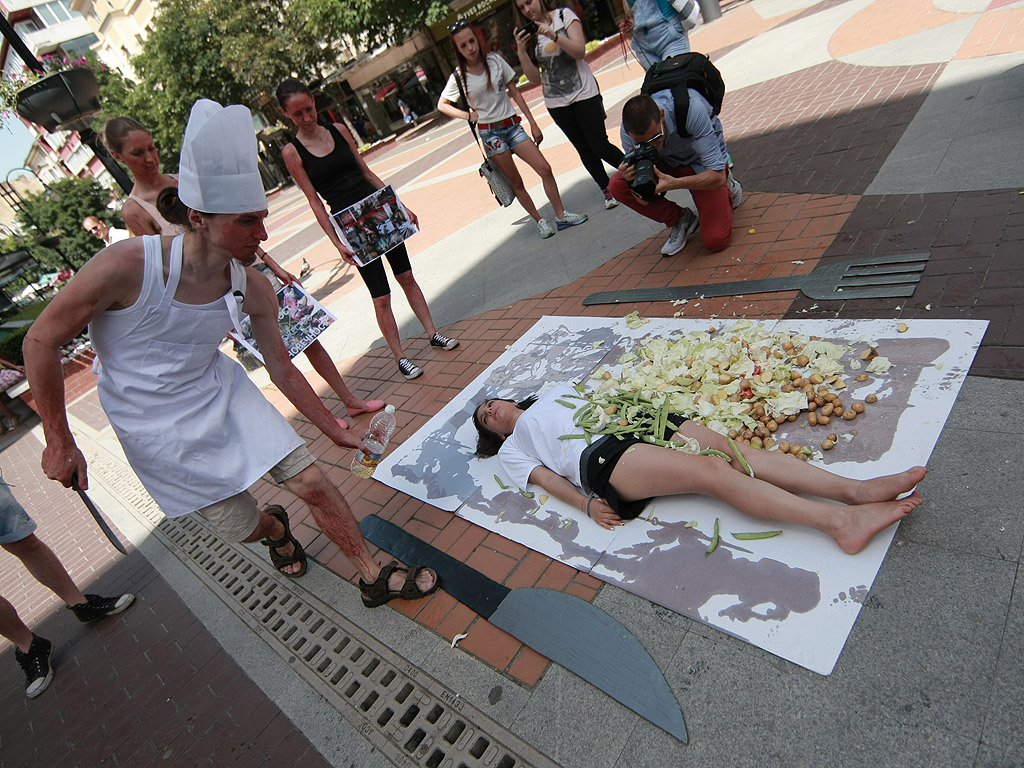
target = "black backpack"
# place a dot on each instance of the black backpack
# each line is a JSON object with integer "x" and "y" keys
{"x": 688, "y": 70}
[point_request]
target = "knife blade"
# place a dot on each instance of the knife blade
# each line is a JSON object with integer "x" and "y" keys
{"x": 111, "y": 537}
{"x": 552, "y": 623}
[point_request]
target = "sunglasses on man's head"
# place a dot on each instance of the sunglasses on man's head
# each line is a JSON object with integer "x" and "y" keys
{"x": 457, "y": 25}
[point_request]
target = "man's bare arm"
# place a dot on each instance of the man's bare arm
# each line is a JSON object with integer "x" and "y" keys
{"x": 110, "y": 280}
{"x": 261, "y": 306}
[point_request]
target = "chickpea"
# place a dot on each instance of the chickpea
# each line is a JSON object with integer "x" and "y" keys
{"x": 871, "y": 399}
{"x": 858, "y": 407}
{"x": 768, "y": 443}
{"x": 812, "y": 419}
{"x": 803, "y": 382}
{"x": 802, "y": 360}
{"x": 611, "y": 410}
{"x": 795, "y": 448}
{"x": 787, "y": 387}
{"x": 824, "y": 420}
{"x": 803, "y": 457}
{"x": 827, "y": 445}
{"x": 862, "y": 377}
{"x": 840, "y": 412}
{"x": 791, "y": 418}
{"x": 833, "y": 437}
{"x": 777, "y": 353}
{"x": 787, "y": 345}
{"x": 811, "y": 405}
{"x": 724, "y": 378}
{"x": 622, "y": 422}
{"x": 816, "y": 378}
{"x": 772, "y": 425}
{"x": 756, "y": 442}
{"x": 850, "y": 415}
{"x": 784, "y": 446}
{"x": 733, "y": 434}
{"x": 826, "y": 409}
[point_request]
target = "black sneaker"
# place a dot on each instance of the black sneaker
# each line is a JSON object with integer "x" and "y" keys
{"x": 96, "y": 607}
{"x": 437, "y": 340}
{"x": 36, "y": 665}
{"x": 409, "y": 369}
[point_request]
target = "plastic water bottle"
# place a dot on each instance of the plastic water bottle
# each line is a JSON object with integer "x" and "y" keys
{"x": 382, "y": 426}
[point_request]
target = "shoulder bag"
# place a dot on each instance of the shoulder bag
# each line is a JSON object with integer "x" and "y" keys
{"x": 500, "y": 187}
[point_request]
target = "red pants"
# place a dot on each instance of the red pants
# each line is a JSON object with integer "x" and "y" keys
{"x": 714, "y": 207}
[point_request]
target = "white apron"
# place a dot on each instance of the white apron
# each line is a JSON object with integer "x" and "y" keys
{"x": 193, "y": 426}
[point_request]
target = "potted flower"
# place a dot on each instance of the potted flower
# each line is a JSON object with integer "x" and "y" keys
{"x": 66, "y": 96}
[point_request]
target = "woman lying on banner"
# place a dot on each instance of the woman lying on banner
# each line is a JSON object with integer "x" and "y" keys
{"x": 613, "y": 478}
{"x": 327, "y": 166}
{"x": 489, "y": 84}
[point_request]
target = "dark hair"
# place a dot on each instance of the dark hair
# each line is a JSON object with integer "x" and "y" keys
{"x": 488, "y": 442}
{"x": 290, "y": 87}
{"x": 519, "y": 20}
{"x": 638, "y": 113}
{"x": 462, "y": 59}
{"x": 116, "y": 131}
{"x": 171, "y": 208}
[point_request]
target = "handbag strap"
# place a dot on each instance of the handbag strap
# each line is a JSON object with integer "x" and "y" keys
{"x": 464, "y": 93}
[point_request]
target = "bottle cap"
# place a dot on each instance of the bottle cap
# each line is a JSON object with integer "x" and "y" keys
{"x": 389, "y": 409}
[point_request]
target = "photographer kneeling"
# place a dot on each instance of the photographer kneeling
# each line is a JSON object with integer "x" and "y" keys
{"x": 660, "y": 157}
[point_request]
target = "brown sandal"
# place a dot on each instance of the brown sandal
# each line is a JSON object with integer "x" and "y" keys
{"x": 378, "y": 593}
{"x": 280, "y": 560}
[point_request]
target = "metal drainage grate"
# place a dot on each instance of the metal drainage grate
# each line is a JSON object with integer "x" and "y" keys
{"x": 410, "y": 717}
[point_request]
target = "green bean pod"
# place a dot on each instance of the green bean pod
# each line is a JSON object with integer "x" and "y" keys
{"x": 571, "y": 437}
{"x": 714, "y": 540}
{"x": 715, "y": 452}
{"x": 739, "y": 456}
{"x": 756, "y": 535}
{"x": 566, "y": 404}
{"x": 501, "y": 484}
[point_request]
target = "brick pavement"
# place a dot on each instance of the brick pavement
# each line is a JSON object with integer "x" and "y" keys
{"x": 149, "y": 686}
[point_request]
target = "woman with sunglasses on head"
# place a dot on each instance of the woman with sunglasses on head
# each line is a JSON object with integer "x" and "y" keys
{"x": 612, "y": 479}
{"x": 490, "y": 89}
{"x": 551, "y": 49}
{"x": 326, "y": 165}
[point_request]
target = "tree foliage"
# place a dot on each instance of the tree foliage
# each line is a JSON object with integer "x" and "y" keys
{"x": 58, "y": 213}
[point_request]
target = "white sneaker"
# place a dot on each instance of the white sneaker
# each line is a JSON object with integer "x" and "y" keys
{"x": 544, "y": 229}
{"x": 685, "y": 227}
{"x": 736, "y": 190}
{"x": 609, "y": 201}
{"x": 570, "y": 220}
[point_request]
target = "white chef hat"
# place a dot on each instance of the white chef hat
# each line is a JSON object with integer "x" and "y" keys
{"x": 219, "y": 171}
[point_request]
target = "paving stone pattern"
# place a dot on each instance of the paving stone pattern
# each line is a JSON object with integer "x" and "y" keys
{"x": 150, "y": 686}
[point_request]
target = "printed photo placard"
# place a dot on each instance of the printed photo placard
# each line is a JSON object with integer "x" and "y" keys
{"x": 374, "y": 225}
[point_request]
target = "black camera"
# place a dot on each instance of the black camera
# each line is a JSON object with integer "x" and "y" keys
{"x": 643, "y": 156}
{"x": 529, "y": 27}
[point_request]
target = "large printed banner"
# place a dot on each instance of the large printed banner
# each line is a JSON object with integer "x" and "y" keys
{"x": 796, "y": 595}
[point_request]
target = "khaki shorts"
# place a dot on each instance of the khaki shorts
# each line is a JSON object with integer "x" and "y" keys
{"x": 236, "y": 517}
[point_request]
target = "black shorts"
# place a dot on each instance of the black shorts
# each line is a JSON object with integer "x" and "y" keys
{"x": 373, "y": 273}
{"x": 596, "y": 465}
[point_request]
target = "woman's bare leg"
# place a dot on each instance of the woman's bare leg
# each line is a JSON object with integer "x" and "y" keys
{"x": 531, "y": 153}
{"x": 323, "y": 365}
{"x": 388, "y": 325}
{"x": 649, "y": 470}
{"x": 507, "y": 166}
{"x": 417, "y": 301}
{"x": 798, "y": 476}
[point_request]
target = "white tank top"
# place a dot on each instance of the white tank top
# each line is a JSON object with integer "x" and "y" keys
{"x": 193, "y": 426}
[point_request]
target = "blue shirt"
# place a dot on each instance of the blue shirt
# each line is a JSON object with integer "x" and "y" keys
{"x": 703, "y": 149}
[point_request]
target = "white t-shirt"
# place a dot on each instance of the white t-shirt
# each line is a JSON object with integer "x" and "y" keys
{"x": 493, "y": 104}
{"x": 563, "y": 78}
{"x": 534, "y": 441}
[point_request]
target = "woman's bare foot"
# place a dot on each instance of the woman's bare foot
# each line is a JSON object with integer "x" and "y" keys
{"x": 857, "y": 525}
{"x": 364, "y": 406}
{"x": 888, "y": 487}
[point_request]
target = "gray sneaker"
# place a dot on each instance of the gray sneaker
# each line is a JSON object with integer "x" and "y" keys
{"x": 685, "y": 226}
{"x": 570, "y": 220}
{"x": 736, "y": 190}
{"x": 544, "y": 229}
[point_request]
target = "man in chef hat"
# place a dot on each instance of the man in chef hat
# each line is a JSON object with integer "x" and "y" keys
{"x": 195, "y": 429}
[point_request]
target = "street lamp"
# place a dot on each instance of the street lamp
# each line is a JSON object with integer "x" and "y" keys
{"x": 13, "y": 198}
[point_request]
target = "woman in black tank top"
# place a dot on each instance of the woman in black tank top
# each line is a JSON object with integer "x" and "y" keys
{"x": 327, "y": 167}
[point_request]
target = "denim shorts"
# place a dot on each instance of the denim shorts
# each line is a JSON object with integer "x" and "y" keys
{"x": 497, "y": 140}
{"x": 15, "y": 524}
